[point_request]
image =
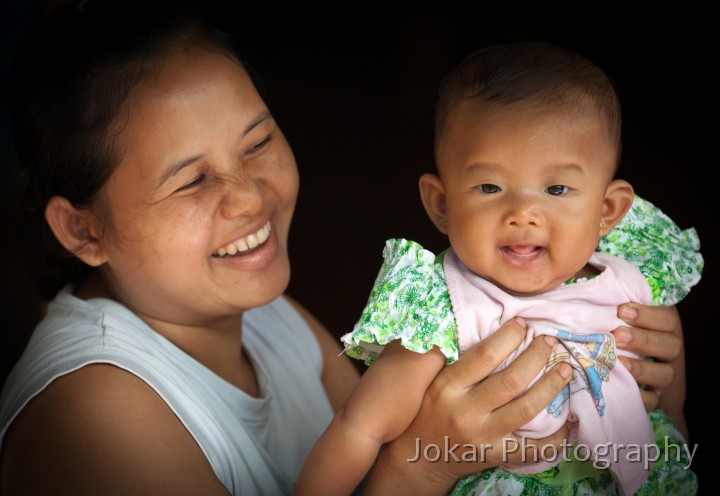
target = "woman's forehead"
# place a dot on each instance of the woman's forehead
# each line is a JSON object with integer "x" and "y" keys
{"x": 197, "y": 102}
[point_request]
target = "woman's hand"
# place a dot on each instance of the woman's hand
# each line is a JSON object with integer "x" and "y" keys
{"x": 467, "y": 406}
{"x": 654, "y": 331}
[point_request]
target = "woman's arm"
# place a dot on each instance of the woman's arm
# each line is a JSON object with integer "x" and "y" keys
{"x": 102, "y": 430}
{"x": 466, "y": 405}
{"x": 656, "y": 331}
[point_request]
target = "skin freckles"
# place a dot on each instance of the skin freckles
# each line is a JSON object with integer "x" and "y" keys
{"x": 205, "y": 165}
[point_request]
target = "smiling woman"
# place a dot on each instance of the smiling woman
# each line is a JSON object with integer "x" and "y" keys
{"x": 205, "y": 168}
{"x": 177, "y": 195}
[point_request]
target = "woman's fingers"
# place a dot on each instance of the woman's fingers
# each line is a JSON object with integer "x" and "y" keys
{"x": 465, "y": 406}
{"x": 524, "y": 408}
{"x": 656, "y": 332}
{"x": 526, "y": 450}
{"x": 515, "y": 378}
{"x": 656, "y": 375}
{"x": 650, "y": 399}
{"x": 480, "y": 360}
{"x": 657, "y": 318}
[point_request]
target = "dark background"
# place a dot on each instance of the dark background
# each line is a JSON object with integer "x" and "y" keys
{"x": 354, "y": 96}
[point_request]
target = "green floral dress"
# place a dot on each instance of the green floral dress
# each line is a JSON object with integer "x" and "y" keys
{"x": 410, "y": 302}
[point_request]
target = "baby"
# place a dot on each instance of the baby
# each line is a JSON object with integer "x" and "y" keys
{"x": 527, "y": 147}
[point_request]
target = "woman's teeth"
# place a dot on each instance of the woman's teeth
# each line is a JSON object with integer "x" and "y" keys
{"x": 247, "y": 243}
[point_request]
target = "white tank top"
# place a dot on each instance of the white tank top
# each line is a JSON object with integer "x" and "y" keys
{"x": 254, "y": 445}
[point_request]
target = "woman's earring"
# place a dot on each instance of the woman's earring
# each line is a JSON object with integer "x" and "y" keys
{"x": 602, "y": 223}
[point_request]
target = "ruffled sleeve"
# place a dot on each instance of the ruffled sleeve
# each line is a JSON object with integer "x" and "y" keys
{"x": 410, "y": 302}
{"x": 668, "y": 257}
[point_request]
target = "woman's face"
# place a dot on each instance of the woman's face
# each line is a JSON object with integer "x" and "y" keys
{"x": 202, "y": 198}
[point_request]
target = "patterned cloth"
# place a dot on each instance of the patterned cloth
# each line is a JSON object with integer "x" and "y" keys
{"x": 410, "y": 302}
{"x": 669, "y": 474}
{"x": 667, "y": 256}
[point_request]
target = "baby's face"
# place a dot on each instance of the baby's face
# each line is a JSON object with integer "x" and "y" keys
{"x": 524, "y": 190}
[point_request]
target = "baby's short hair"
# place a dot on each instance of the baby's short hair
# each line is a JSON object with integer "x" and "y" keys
{"x": 529, "y": 73}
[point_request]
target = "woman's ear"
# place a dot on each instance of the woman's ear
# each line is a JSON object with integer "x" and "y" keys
{"x": 77, "y": 230}
{"x": 432, "y": 193}
{"x": 619, "y": 197}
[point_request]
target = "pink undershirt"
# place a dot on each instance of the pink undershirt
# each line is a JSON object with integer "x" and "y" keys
{"x": 615, "y": 414}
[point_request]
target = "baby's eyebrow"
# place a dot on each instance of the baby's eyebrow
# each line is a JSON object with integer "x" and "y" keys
{"x": 178, "y": 166}
{"x": 569, "y": 167}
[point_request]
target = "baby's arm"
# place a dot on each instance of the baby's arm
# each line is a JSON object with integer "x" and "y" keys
{"x": 381, "y": 407}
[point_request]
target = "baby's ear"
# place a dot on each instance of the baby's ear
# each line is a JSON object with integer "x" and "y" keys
{"x": 77, "y": 230}
{"x": 619, "y": 197}
{"x": 432, "y": 193}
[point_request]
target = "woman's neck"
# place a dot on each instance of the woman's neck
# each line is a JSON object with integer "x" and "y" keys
{"x": 217, "y": 343}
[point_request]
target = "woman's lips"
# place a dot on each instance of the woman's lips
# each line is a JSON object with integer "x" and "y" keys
{"x": 251, "y": 259}
{"x": 246, "y": 243}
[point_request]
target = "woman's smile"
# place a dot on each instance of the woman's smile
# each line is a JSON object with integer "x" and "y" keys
{"x": 246, "y": 244}
{"x": 263, "y": 252}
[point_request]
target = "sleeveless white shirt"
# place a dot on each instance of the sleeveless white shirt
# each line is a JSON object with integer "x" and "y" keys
{"x": 254, "y": 445}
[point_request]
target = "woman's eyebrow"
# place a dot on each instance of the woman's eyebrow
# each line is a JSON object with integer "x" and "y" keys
{"x": 178, "y": 166}
{"x": 175, "y": 168}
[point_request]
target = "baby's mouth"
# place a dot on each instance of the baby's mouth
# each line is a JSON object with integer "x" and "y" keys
{"x": 246, "y": 244}
{"x": 523, "y": 253}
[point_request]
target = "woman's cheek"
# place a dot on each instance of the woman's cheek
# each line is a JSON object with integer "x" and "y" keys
{"x": 188, "y": 223}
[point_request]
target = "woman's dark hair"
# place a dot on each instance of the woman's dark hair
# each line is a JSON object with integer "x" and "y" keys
{"x": 69, "y": 84}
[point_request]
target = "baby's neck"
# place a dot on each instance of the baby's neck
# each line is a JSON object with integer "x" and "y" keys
{"x": 587, "y": 272}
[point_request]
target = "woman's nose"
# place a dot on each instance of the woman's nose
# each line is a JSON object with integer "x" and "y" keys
{"x": 242, "y": 197}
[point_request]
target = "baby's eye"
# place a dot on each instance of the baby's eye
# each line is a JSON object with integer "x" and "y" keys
{"x": 557, "y": 190}
{"x": 489, "y": 188}
{"x": 196, "y": 182}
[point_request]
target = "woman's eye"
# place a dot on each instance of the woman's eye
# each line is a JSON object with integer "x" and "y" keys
{"x": 489, "y": 188}
{"x": 261, "y": 144}
{"x": 192, "y": 184}
{"x": 557, "y": 190}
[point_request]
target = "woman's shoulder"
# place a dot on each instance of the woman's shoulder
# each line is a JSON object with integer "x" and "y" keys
{"x": 102, "y": 415}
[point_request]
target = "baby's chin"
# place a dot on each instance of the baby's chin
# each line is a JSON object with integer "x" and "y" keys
{"x": 527, "y": 287}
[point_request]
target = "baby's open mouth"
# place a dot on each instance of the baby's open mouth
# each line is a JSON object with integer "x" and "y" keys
{"x": 246, "y": 244}
{"x": 523, "y": 252}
